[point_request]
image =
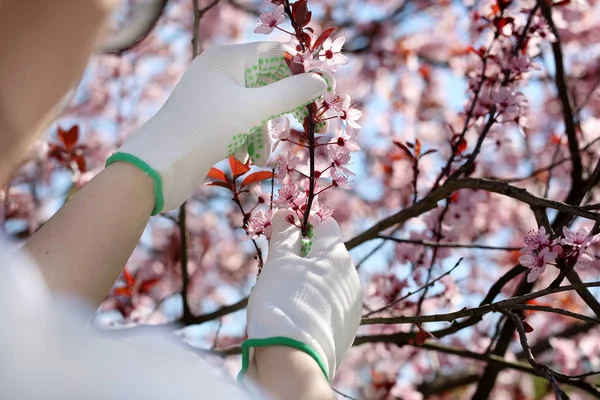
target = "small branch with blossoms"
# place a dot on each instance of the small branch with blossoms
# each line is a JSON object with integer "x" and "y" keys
{"x": 573, "y": 246}
{"x": 261, "y": 223}
{"x": 314, "y": 159}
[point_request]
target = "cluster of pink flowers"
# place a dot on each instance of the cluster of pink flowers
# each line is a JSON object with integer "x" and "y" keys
{"x": 505, "y": 60}
{"x": 336, "y": 120}
{"x": 572, "y": 246}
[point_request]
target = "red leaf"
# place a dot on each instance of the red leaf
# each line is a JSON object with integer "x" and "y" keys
{"x": 300, "y": 11}
{"x": 430, "y": 151}
{"x": 56, "y": 152}
{"x": 425, "y": 72}
{"x": 222, "y": 184}
{"x": 500, "y": 23}
{"x": 295, "y": 67}
{"x": 122, "y": 291}
{"x": 80, "y": 161}
{"x": 128, "y": 278}
{"x": 422, "y": 336}
{"x": 68, "y": 138}
{"x": 417, "y": 148}
{"x": 322, "y": 37}
{"x": 405, "y": 149}
{"x": 237, "y": 168}
{"x": 480, "y": 52}
{"x": 257, "y": 177}
{"x": 217, "y": 174}
{"x": 308, "y": 18}
{"x": 461, "y": 146}
{"x": 306, "y": 39}
{"x": 528, "y": 328}
{"x": 147, "y": 285}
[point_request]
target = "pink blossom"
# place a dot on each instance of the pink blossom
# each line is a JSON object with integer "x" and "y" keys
{"x": 339, "y": 157}
{"x": 319, "y": 213}
{"x": 308, "y": 61}
{"x": 509, "y": 103}
{"x": 286, "y": 164}
{"x": 340, "y": 179}
{"x": 566, "y": 354}
{"x": 579, "y": 238}
{"x": 535, "y": 239}
{"x": 537, "y": 262}
{"x": 584, "y": 258}
{"x": 279, "y": 129}
{"x": 333, "y": 101}
{"x": 259, "y": 223}
{"x": 522, "y": 63}
{"x": 269, "y": 20}
{"x": 346, "y": 138}
{"x": 289, "y": 195}
{"x": 349, "y": 114}
{"x": 387, "y": 286}
{"x": 261, "y": 196}
{"x": 331, "y": 53}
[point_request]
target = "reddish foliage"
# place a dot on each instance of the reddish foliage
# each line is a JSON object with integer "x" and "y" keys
{"x": 257, "y": 177}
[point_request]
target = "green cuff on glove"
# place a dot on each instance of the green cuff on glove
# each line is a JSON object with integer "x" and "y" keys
{"x": 133, "y": 160}
{"x": 276, "y": 341}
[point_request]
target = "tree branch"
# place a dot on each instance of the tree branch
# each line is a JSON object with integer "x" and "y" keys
{"x": 430, "y": 243}
{"x": 494, "y": 307}
{"x": 563, "y": 94}
{"x": 431, "y": 201}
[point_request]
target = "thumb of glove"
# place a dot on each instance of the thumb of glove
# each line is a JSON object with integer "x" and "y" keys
{"x": 283, "y": 96}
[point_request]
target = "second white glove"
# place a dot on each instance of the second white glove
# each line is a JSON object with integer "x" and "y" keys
{"x": 311, "y": 303}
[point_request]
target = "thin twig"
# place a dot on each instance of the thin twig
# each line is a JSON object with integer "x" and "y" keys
{"x": 431, "y": 243}
{"x": 409, "y": 294}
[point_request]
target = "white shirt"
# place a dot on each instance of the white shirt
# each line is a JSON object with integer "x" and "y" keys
{"x": 47, "y": 354}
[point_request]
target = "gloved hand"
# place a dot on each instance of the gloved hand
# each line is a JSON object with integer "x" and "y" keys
{"x": 220, "y": 107}
{"x": 311, "y": 303}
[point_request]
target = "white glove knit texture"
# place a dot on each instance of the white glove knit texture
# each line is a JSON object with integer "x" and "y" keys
{"x": 211, "y": 113}
{"x": 316, "y": 300}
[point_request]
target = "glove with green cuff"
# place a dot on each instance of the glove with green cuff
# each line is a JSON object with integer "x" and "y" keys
{"x": 220, "y": 107}
{"x": 311, "y": 303}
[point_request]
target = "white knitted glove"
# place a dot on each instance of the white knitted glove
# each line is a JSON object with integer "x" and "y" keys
{"x": 311, "y": 303}
{"x": 220, "y": 106}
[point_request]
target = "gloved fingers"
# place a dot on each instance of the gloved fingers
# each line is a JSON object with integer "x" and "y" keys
{"x": 283, "y": 96}
{"x": 327, "y": 76}
{"x": 256, "y": 145}
{"x": 327, "y": 241}
{"x": 241, "y": 153}
{"x": 285, "y": 237}
{"x": 259, "y": 63}
{"x": 259, "y": 145}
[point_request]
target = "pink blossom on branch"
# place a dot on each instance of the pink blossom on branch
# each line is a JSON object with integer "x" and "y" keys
{"x": 537, "y": 262}
{"x": 259, "y": 223}
{"x": 279, "y": 129}
{"x": 331, "y": 53}
{"x": 578, "y": 238}
{"x": 535, "y": 239}
{"x": 269, "y": 20}
{"x": 349, "y": 114}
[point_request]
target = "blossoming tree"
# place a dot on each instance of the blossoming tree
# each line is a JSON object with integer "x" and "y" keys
{"x": 457, "y": 147}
